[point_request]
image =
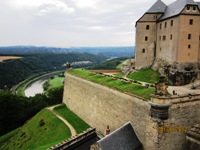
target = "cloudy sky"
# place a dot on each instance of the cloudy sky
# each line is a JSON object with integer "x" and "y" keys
{"x": 65, "y": 23}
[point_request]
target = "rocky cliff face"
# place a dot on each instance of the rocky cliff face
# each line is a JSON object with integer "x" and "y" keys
{"x": 128, "y": 67}
{"x": 178, "y": 73}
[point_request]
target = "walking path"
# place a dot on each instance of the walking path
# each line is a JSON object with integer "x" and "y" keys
{"x": 72, "y": 130}
{"x": 185, "y": 89}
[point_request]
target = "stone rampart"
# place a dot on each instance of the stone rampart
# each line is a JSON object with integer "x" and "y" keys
{"x": 100, "y": 106}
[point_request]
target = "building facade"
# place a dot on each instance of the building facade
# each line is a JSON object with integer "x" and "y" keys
{"x": 168, "y": 33}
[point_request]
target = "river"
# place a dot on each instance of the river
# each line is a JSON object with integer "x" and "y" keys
{"x": 34, "y": 88}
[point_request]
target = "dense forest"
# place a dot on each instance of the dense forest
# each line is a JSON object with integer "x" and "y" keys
{"x": 109, "y": 65}
{"x": 16, "y": 110}
{"x": 14, "y": 71}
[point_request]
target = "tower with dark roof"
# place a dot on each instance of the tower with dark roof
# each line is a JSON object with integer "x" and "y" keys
{"x": 168, "y": 33}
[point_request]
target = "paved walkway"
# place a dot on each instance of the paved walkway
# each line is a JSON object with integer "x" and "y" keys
{"x": 72, "y": 130}
{"x": 185, "y": 89}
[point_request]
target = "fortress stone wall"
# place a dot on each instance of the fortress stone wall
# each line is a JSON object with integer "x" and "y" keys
{"x": 183, "y": 114}
{"x": 100, "y": 106}
{"x": 170, "y": 33}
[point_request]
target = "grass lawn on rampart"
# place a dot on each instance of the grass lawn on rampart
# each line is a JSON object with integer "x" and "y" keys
{"x": 145, "y": 75}
{"x": 78, "y": 124}
{"x": 116, "y": 84}
{"x": 33, "y": 136}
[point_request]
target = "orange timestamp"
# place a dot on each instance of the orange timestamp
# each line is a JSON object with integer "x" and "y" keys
{"x": 169, "y": 129}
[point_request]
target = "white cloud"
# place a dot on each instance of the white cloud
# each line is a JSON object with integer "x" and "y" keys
{"x": 85, "y": 3}
{"x": 71, "y": 22}
{"x": 41, "y": 6}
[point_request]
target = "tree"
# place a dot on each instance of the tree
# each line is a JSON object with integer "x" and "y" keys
{"x": 55, "y": 95}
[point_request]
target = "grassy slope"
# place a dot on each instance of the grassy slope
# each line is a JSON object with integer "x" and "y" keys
{"x": 33, "y": 136}
{"x": 78, "y": 124}
{"x": 117, "y": 84}
{"x": 7, "y": 136}
{"x": 145, "y": 75}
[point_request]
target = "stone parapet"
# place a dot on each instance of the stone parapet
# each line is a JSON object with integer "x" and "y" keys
{"x": 160, "y": 104}
{"x": 193, "y": 138}
{"x": 75, "y": 140}
{"x": 175, "y": 99}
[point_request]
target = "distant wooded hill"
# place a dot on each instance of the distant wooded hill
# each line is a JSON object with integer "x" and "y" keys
{"x": 14, "y": 71}
{"x": 110, "y": 64}
{"x": 106, "y": 51}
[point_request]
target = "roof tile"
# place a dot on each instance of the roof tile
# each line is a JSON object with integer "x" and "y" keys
{"x": 123, "y": 138}
{"x": 158, "y": 7}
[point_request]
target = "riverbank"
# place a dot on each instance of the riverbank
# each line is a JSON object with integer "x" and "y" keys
{"x": 19, "y": 90}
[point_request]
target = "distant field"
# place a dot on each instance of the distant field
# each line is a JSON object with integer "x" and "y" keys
{"x": 2, "y": 58}
{"x": 56, "y": 82}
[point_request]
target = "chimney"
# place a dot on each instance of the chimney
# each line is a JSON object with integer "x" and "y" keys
{"x": 68, "y": 65}
{"x": 107, "y": 130}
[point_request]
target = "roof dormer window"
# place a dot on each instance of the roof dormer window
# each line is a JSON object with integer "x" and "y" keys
{"x": 188, "y": 8}
{"x": 194, "y": 8}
